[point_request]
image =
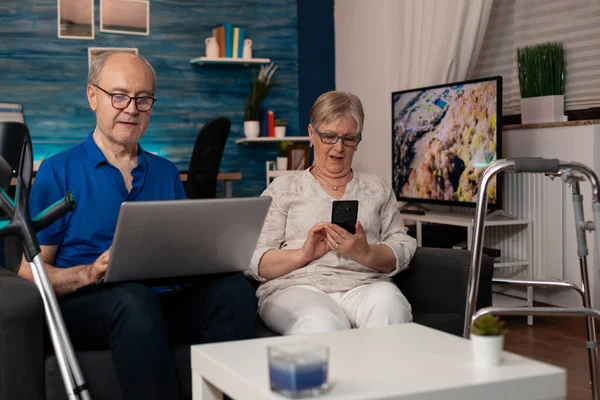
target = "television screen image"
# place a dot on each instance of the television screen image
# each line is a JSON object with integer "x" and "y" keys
{"x": 443, "y": 138}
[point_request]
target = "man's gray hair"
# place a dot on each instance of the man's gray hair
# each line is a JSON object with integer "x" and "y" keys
{"x": 98, "y": 63}
{"x": 334, "y": 105}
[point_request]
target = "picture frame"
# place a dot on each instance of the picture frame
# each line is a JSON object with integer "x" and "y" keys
{"x": 94, "y": 52}
{"x": 129, "y": 17}
{"x": 11, "y": 112}
{"x": 75, "y": 19}
{"x": 298, "y": 156}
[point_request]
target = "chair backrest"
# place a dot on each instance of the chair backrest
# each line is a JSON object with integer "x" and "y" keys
{"x": 206, "y": 159}
{"x": 15, "y": 155}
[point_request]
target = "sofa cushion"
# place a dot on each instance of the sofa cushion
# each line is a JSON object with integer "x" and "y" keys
{"x": 449, "y": 323}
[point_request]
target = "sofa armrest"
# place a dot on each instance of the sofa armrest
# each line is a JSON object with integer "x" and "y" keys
{"x": 436, "y": 281}
{"x": 21, "y": 338}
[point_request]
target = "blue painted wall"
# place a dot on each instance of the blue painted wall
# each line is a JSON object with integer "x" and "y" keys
{"x": 316, "y": 50}
{"x": 48, "y": 76}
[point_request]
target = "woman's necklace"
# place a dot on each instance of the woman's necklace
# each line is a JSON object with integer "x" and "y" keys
{"x": 335, "y": 187}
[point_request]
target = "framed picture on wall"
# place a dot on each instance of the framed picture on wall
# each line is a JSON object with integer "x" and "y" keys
{"x": 94, "y": 52}
{"x": 75, "y": 19}
{"x": 298, "y": 157}
{"x": 130, "y": 17}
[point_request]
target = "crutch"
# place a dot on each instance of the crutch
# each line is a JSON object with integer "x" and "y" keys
{"x": 552, "y": 168}
{"x": 16, "y": 151}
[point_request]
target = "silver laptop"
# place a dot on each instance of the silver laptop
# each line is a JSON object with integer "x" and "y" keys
{"x": 166, "y": 239}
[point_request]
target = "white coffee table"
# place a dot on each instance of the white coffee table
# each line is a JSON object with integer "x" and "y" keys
{"x": 407, "y": 361}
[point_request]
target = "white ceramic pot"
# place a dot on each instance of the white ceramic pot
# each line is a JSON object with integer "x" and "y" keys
{"x": 282, "y": 163}
{"x": 487, "y": 350}
{"x": 251, "y": 129}
{"x": 212, "y": 47}
{"x": 542, "y": 109}
{"x": 280, "y": 131}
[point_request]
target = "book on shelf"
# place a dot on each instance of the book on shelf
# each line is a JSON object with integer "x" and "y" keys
{"x": 271, "y": 124}
{"x": 240, "y": 42}
{"x": 228, "y": 38}
{"x": 219, "y": 34}
{"x": 236, "y": 37}
{"x": 263, "y": 119}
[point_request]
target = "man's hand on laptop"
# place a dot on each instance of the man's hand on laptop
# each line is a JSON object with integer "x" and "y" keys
{"x": 98, "y": 268}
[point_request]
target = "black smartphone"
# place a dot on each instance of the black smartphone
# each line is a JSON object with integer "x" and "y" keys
{"x": 344, "y": 213}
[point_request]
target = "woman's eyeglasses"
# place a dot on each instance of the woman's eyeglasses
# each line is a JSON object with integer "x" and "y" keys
{"x": 332, "y": 138}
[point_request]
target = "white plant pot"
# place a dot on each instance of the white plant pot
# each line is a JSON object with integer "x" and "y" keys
{"x": 487, "y": 350}
{"x": 251, "y": 129}
{"x": 282, "y": 163}
{"x": 542, "y": 109}
{"x": 280, "y": 131}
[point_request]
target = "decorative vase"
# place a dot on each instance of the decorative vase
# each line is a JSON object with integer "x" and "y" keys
{"x": 487, "y": 350}
{"x": 212, "y": 47}
{"x": 280, "y": 131}
{"x": 251, "y": 129}
{"x": 282, "y": 163}
{"x": 542, "y": 109}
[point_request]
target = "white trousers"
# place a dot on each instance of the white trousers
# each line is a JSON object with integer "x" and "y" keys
{"x": 305, "y": 309}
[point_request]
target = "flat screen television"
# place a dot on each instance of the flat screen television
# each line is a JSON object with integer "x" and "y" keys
{"x": 442, "y": 138}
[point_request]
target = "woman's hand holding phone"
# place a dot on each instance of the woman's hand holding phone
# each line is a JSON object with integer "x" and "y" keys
{"x": 346, "y": 244}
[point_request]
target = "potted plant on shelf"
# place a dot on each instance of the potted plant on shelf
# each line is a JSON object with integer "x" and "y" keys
{"x": 487, "y": 339}
{"x": 282, "y": 159}
{"x": 280, "y": 128}
{"x": 260, "y": 88}
{"x": 542, "y": 82}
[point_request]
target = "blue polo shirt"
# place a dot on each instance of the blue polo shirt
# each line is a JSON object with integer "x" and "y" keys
{"x": 99, "y": 189}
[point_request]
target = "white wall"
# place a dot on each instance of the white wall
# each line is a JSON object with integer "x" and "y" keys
{"x": 364, "y": 42}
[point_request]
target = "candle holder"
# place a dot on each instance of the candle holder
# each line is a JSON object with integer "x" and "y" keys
{"x": 298, "y": 370}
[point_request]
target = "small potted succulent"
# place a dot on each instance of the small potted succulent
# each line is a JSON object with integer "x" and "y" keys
{"x": 282, "y": 159}
{"x": 280, "y": 128}
{"x": 487, "y": 339}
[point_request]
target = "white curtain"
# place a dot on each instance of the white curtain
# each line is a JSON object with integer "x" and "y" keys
{"x": 438, "y": 40}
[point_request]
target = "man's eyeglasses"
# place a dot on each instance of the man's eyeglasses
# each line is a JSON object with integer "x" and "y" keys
{"x": 332, "y": 138}
{"x": 121, "y": 101}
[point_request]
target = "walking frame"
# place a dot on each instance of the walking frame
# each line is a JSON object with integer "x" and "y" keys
{"x": 16, "y": 153}
{"x": 571, "y": 173}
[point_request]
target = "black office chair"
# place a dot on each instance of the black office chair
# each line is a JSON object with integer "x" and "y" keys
{"x": 206, "y": 159}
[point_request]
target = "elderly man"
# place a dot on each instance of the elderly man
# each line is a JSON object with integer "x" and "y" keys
{"x": 138, "y": 323}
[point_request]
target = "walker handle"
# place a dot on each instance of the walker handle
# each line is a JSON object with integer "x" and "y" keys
{"x": 536, "y": 164}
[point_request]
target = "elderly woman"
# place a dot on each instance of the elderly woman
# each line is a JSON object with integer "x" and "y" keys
{"x": 316, "y": 276}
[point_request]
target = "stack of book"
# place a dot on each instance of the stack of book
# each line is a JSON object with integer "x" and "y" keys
{"x": 230, "y": 39}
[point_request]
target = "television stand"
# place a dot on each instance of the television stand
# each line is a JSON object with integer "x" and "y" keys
{"x": 500, "y": 215}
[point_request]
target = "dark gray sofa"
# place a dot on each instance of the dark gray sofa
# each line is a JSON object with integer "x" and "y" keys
{"x": 435, "y": 285}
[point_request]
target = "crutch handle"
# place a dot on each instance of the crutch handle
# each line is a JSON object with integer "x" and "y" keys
{"x": 54, "y": 212}
{"x": 536, "y": 164}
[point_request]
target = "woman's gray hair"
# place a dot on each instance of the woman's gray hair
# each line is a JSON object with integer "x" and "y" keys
{"x": 334, "y": 105}
{"x": 98, "y": 63}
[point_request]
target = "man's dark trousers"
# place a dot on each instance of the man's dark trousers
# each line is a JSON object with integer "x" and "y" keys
{"x": 139, "y": 326}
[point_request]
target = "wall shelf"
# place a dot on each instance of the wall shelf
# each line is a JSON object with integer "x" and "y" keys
{"x": 272, "y": 139}
{"x": 230, "y": 61}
